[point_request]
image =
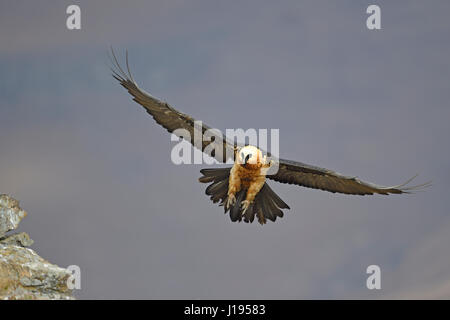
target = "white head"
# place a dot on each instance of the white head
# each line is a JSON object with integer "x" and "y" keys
{"x": 249, "y": 155}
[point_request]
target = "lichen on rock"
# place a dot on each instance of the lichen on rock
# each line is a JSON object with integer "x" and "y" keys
{"x": 23, "y": 273}
{"x": 10, "y": 214}
{"x": 19, "y": 239}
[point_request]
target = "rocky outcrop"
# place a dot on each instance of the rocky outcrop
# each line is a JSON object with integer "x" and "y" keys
{"x": 23, "y": 273}
{"x": 10, "y": 214}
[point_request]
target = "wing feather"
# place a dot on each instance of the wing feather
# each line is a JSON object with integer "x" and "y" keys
{"x": 290, "y": 172}
{"x": 167, "y": 116}
{"x": 305, "y": 175}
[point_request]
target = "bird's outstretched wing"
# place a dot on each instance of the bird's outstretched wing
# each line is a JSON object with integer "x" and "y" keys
{"x": 301, "y": 174}
{"x": 170, "y": 118}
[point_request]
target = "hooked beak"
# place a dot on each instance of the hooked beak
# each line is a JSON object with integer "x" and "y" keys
{"x": 246, "y": 159}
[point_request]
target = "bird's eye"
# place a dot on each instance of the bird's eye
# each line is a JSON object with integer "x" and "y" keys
{"x": 242, "y": 155}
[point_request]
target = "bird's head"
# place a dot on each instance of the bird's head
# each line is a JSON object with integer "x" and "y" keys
{"x": 250, "y": 157}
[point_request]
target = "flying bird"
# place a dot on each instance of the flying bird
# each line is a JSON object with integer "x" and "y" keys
{"x": 242, "y": 189}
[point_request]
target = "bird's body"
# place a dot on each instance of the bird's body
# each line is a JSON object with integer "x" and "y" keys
{"x": 242, "y": 189}
{"x": 248, "y": 173}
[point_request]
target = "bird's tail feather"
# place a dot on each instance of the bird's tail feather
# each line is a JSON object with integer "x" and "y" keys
{"x": 267, "y": 204}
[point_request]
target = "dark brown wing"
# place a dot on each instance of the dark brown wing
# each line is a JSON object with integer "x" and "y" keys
{"x": 172, "y": 119}
{"x": 301, "y": 174}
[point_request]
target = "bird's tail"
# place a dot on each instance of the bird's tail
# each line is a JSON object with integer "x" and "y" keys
{"x": 267, "y": 204}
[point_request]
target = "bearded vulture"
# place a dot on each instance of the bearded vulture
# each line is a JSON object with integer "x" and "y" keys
{"x": 242, "y": 188}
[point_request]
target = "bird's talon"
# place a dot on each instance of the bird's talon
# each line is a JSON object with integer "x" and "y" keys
{"x": 231, "y": 200}
{"x": 244, "y": 206}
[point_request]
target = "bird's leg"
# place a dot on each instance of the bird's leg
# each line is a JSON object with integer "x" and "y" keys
{"x": 234, "y": 185}
{"x": 231, "y": 200}
{"x": 252, "y": 191}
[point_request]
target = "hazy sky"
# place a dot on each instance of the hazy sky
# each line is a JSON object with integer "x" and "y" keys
{"x": 93, "y": 169}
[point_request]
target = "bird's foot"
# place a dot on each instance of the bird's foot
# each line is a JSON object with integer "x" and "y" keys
{"x": 231, "y": 200}
{"x": 245, "y": 205}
